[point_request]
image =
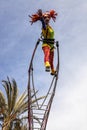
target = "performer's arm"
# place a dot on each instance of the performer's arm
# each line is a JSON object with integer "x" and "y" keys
{"x": 43, "y": 23}
{"x": 41, "y": 19}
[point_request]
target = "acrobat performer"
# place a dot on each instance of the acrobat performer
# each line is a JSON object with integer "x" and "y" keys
{"x": 48, "y": 37}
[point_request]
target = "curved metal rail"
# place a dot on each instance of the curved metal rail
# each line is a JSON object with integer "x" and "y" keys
{"x": 38, "y": 113}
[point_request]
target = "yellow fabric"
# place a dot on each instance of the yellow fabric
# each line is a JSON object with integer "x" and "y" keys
{"x": 45, "y": 44}
{"x": 47, "y": 64}
{"x": 48, "y": 33}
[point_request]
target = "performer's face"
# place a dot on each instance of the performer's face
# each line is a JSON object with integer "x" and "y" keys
{"x": 46, "y": 19}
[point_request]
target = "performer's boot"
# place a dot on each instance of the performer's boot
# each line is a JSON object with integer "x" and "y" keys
{"x": 47, "y": 66}
{"x": 53, "y": 72}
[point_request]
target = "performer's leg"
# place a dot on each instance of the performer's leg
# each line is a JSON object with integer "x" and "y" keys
{"x": 52, "y": 62}
{"x": 46, "y": 50}
{"x": 51, "y": 59}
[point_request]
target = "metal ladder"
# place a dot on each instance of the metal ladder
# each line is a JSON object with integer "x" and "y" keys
{"x": 38, "y": 111}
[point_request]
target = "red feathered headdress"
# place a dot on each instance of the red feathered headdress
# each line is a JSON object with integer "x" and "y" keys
{"x": 35, "y": 17}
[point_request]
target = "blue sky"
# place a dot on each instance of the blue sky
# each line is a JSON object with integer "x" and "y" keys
{"x": 17, "y": 41}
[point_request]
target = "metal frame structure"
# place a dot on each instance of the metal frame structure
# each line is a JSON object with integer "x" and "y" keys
{"x": 38, "y": 112}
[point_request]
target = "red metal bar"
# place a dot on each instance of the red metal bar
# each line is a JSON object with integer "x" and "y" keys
{"x": 30, "y": 114}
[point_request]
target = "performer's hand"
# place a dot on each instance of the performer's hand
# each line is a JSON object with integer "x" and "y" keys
{"x": 39, "y": 12}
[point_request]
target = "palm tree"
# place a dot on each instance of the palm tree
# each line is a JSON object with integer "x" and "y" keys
{"x": 11, "y": 107}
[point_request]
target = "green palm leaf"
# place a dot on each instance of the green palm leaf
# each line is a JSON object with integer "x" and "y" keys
{"x": 12, "y": 106}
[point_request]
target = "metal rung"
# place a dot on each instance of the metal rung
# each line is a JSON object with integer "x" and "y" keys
{"x": 40, "y": 118}
{"x": 34, "y": 105}
{"x": 37, "y": 128}
{"x": 39, "y": 113}
{"x": 41, "y": 105}
{"x": 36, "y": 122}
{"x": 39, "y": 109}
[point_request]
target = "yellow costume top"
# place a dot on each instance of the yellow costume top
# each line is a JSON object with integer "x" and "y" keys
{"x": 48, "y": 34}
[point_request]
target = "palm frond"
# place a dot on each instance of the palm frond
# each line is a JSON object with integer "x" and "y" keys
{"x": 14, "y": 94}
{"x": 35, "y": 100}
{"x": 15, "y": 106}
{"x": 3, "y": 105}
{"x": 21, "y": 100}
{"x": 2, "y": 99}
{"x": 8, "y": 92}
